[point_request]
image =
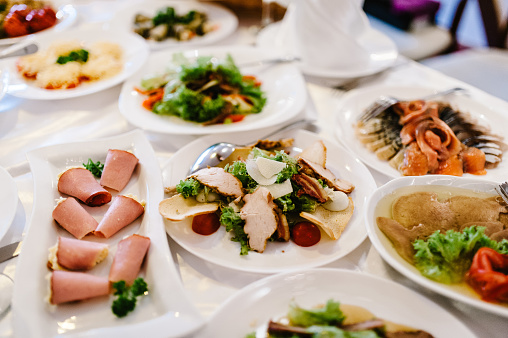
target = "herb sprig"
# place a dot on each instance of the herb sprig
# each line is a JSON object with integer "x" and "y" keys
{"x": 127, "y": 296}
{"x": 95, "y": 168}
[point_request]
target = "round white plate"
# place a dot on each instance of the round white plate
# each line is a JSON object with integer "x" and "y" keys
{"x": 354, "y": 104}
{"x": 386, "y": 250}
{"x": 269, "y": 298}
{"x": 222, "y": 18}
{"x": 383, "y": 54}
{"x": 283, "y": 84}
{"x": 135, "y": 54}
{"x": 8, "y": 201}
{"x": 66, "y": 16}
{"x": 219, "y": 249}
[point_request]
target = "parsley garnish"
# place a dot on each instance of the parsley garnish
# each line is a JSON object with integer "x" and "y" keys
{"x": 95, "y": 168}
{"x": 80, "y": 55}
{"x": 126, "y": 301}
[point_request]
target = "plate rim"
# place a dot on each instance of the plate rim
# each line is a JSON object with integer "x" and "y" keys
{"x": 8, "y": 210}
{"x": 405, "y": 268}
{"x": 368, "y": 181}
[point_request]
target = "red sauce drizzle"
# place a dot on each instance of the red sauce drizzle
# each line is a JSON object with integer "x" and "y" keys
{"x": 305, "y": 234}
{"x": 205, "y": 224}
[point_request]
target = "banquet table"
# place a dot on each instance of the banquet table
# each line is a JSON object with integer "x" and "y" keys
{"x": 29, "y": 124}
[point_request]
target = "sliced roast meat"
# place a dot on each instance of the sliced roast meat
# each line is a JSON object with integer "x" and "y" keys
{"x": 71, "y": 216}
{"x": 122, "y": 212}
{"x": 261, "y": 219}
{"x": 318, "y": 171}
{"x": 80, "y": 183}
{"x": 219, "y": 180}
{"x": 118, "y": 169}
{"x": 69, "y": 286}
{"x": 310, "y": 186}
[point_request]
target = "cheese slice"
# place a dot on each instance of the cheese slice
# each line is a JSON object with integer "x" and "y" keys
{"x": 268, "y": 167}
{"x": 280, "y": 189}
{"x": 253, "y": 171}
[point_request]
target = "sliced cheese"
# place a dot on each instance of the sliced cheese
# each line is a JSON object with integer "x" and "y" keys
{"x": 268, "y": 167}
{"x": 280, "y": 189}
{"x": 253, "y": 171}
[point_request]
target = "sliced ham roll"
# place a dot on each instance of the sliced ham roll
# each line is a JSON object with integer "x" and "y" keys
{"x": 81, "y": 183}
{"x": 69, "y": 286}
{"x": 71, "y": 216}
{"x": 74, "y": 254}
{"x": 123, "y": 211}
{"x": 128, "y": 258}
{"x": 118, "y": 169}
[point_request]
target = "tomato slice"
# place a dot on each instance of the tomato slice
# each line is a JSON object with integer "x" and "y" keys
{"x": 205, "y": 224}
{"x": 305, "y": 234}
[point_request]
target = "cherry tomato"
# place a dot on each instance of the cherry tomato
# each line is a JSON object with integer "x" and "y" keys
{"x": 205, "y": 224}
{"x": 305, "y": 234}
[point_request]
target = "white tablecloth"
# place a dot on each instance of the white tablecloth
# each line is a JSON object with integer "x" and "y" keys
{"x": 26, "y": 124}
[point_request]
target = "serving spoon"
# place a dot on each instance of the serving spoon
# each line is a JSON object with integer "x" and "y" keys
{"x": 217, "y": 152}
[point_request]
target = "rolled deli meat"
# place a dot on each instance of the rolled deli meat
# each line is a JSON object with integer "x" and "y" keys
{"x": 69, "y": 286}
{"x": 123, "y": 211}
{"x": 75, "y": 254}
{"x": 71, "y": 216}
{"x": 118, "y": 169}
{"x": 80, "y": 183}
{"x": 128, "y": 258}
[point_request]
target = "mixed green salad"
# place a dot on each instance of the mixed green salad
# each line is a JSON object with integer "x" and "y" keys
{"x": 204, "y": 90}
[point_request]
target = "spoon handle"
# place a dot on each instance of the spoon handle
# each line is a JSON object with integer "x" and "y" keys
{"x": 290, "y": 126}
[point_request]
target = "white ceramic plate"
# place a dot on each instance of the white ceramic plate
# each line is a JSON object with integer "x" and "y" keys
{"x": 354, "y": 103}
{"x": 383, "y": 54}
{"x": 283, "y": 84}
{"x": 161, "y": 313}
{"x": 135, "y": 54}
{"x": 66, "y": 16}
{"x": 8, "y": 201}
{"x": 386, "y": 250}
{"x": 219, "y": 249}
{"x": 269, "y": 298}
{"x": 219, "y": 16}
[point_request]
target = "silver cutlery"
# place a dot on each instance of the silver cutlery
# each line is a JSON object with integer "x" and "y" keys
{"x": 19, "y": 49}
{"x": 502, "y": 190}
{"x": 283, "y": 59}
{"x": 10, "y": 251}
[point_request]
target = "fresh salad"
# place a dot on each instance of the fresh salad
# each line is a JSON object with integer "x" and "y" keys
{"x": 262, "y": 194}
{"x": 204, "y": 90}
{"x": 331, "y": 320}
{"x": 168, "y": 24}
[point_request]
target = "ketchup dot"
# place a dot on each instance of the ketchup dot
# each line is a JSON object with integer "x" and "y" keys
{"x": 305, "y": 234}
{"x": 205, "y": 224}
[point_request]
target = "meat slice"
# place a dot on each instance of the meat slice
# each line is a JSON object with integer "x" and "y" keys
{"x": 118, "y": 169}
{"x": 75, "y": 254}
{"x": 219, "y": 180}
{"x": 261, "y": 220}
{"x": 80, "y": 183}
{"x": 317, "y": 170}
{"x": 71, "y": 216}
{"x": 122, "y": 212}
{"x": 69, "y": 286}
{"x": 310, "y": 186}
{"x": 128, "y": 258}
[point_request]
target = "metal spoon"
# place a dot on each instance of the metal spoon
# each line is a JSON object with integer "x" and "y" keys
{"x": 217, "y": 152}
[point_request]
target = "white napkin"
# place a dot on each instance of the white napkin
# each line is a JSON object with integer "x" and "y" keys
{"x": 325, "y": 34}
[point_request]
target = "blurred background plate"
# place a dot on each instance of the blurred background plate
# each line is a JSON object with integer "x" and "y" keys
{"x": 8, "y": 201}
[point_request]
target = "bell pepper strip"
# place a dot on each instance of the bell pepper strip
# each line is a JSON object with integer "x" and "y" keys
{"x": 488, "y": 275}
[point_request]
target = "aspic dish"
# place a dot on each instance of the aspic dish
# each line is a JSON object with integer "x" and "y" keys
{"x": 269, "y": 299}
{"x": 283, "y": 87}
{"x": 134, "y": 52}
{"x": 450, "y": 277}
{"x": 482, "y": 120}
{"x": 8, "y": 201}
{"x": 170, "y": 313}
{"x": 64, "y": 14}
{"x": 220, "y": 23}
{"x": 277, "y": 256}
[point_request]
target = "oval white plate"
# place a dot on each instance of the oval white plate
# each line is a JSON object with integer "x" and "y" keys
{"x": 225, "y": 20}
{"x": 283, "y": 84}
{"x": 269, "y": 298}
{"x": 383, "y": 54}
{"x": 159, "y": 314}
{"x": 66, "y": 16}
{"x": 135, "y": 54}
{"x": 354, "y": 103}
{"x": 8, "y": 201}
{"x": 219, "y": 249}
{"x": 386, "y": 250}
